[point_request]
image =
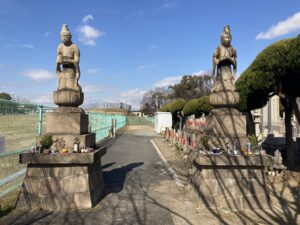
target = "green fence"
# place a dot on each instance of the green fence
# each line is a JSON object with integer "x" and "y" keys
{"x": 101, "y": 123}
{"x": 21, "y": 123}
{"x": 137, "y": 120}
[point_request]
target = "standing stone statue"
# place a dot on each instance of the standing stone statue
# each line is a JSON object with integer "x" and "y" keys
{"x": 224, "y": 56}
{"x": 68, "y": 122}
{"x": 224, "y": 61}
{"x": 225, "y": 123}
{"x": 68, "y": 92}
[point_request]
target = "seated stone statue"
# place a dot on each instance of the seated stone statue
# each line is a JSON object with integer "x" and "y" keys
{"x": 223, "y": 57}
{"x": 68, "y": 58}
{"x": 68, "y": 93}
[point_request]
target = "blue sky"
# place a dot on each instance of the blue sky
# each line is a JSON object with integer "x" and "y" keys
{"x": 129, "y": 47}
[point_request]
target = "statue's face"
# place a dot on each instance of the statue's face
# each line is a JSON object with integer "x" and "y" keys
{"x": 65, "y": 39}
{"x": 226, "y": 40}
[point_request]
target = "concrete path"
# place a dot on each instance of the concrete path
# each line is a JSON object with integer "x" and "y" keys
{"x": 139, "y": 189}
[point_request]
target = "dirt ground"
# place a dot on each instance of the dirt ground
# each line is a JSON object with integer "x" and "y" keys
{"x": 284, "y": 192}
{"x": 165, "y": 201}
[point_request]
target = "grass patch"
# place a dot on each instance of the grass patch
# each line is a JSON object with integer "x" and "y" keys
{"x": 8, "y": 203}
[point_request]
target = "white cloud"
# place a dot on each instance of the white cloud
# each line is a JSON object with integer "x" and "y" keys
{"x": 200, "y": 73}
{"x": 88, "y": 34}
{"x": 132, "y": 97}
{"x": 286, "y": 26}
{"x": 168, "y": 4}
{"x": 27, "y": 46}
{"x": 93, "y": 71}
{"x": 90, "y": 88}
{"x": 45, "y": 98}
{"x": 166, "y": 82}
{"x": 87, "y": 18}
{"x": 39, "y": 74}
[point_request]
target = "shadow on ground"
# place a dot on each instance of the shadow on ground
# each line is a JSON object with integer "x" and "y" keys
{"x": 133, "y": 195}
{"x": 137, "y": 202}
{"x": 115, "y": 179}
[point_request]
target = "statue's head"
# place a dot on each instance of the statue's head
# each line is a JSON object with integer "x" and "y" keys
{"x": 65, "y": 35}
{"x": 226, "y": 36}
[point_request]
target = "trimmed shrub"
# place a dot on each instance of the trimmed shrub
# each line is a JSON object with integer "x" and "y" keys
{"x": 197, "y": 106}
{"x": 176, "y": 105}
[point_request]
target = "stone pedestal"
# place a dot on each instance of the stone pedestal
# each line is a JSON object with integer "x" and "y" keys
{"x": 67, "y": 122}
{"x": 224, "y": 98}
{"x": 227, "y": 126}
{"x": 62, "y": 181}
{"x": 231, "y": 182}
{"x": 68, "y": 97}
{"x": 86, "y": 140}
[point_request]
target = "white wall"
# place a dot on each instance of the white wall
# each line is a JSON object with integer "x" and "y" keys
{"x": 162, "y": 120}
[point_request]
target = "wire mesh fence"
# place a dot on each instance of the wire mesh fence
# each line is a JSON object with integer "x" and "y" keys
{"x": 108, "y": 105}
{"x": 21, "y": 123}
{"x": 137, "y": 120}
{"x": 101, "y": 123}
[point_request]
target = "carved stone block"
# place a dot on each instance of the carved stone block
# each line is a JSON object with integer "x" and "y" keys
{"x": 67, "y": 123}
{"x": 224, "y": 98}
{"x": 226, "y": 123}
{"x": 66, "y": 184}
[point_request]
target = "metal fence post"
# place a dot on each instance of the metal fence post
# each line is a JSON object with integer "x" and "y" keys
{"x": 40, "y": 119}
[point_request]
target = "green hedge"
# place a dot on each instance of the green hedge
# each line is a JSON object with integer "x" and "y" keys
{"x": 276, "y": 69}
{"x": 197, "y": 106}
{"x": 174, "y": 106}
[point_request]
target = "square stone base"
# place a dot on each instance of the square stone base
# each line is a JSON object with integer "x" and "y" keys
{"x": 231, "y": 182}
{"x": 67, "y": 123}
{"x": 227, "y": 126}
{"x": 226, "y": 122}
{"x": 61, "y": 185}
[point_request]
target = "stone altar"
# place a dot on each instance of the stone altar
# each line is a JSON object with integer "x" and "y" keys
{"x": 64, "y": 180}
{"x": 226, "y": 125}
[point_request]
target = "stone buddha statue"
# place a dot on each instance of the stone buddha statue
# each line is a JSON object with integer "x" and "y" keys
{"x": 223, "y": 93}
{"x": 224, "y": 59}
{"x": 68, "y": 92}
{"x": 226, "y": 125}
{"x": 68, "y": 57}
